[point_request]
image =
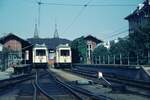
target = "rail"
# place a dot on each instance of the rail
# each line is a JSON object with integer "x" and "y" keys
{"x": 79, "y": 90}
{"x": 8, "y": 82}
{"x": 40, "y": 89}
{"x": 59, "y": 82}
{"x": 68, "y": 87}
{"x": 115, "y": 78}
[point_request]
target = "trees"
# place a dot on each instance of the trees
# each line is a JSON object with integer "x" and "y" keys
{"x": 100, "y": 53}
{"x": 140, "y": 41}
{"x": 79, "y": 50}
{"x": 134, "y": 49}
{"x": 119, "y": 51}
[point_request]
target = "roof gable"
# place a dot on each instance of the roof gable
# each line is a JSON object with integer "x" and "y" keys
{"x": 51, "y": 43}
{"x": 90, "y": 37}
{"x": 10, "y": 36}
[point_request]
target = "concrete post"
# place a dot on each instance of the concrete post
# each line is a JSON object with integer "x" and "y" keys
{"x": 128, "y": 58}
{"x": 99, "y": 59}
{"x": 95, "y": 59}
{"x": 137, "y": 57}
{"x": 114, "y": 59}
{"x": 120, "y": 59}
{"x": 148, "y": 56}
{"x": 108, "y": 59}
{"x": 103, "y": 60}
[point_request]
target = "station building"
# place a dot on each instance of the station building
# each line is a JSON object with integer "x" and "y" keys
{"x": 51, "y": 44}
{"x": 140, "y": 18}
{"x": 14, "y": 51}
{"x": 91, "y": 42}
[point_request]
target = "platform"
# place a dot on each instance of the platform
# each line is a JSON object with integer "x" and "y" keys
{"x": 70, "y": 77}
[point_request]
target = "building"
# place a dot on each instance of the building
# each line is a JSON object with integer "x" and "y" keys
{"x": 91, "y": 42}
{"x": 51, "y": 43}
{"x": 140, "y": 18}
{"x": 14, "y": 50}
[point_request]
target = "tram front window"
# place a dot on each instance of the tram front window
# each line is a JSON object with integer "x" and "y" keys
{"x": 64, "y": 52}
{"x": 40, "y": 53}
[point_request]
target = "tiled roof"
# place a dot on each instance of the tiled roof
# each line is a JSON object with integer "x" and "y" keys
{"x": 13, "y": 36}
{"x": 51, "y": 43}
{"x": 90, "y": 37}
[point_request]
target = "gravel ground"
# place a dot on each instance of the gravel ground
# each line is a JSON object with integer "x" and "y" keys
{"x": 67, "y": 76}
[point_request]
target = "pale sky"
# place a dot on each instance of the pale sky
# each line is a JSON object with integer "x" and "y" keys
{"x": 103, "y": 21}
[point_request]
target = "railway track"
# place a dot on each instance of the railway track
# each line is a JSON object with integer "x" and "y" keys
{"x": 84, "y": 92}
{"x": 43, "y": 86}
{"x": 54, "y": 89}
{"x": 16, "y": 88}
{"x": 15, "y": 80}
{"x": 26, "y": 91}
{"x": 118, "y": 83}
{"x": 113, "y": 78}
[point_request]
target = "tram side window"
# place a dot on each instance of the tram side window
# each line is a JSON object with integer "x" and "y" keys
{"x": 64, "y": 52}
{"x": 40, "y": 53}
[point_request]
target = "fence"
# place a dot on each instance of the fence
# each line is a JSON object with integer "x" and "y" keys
{"x": 119, "y": 59}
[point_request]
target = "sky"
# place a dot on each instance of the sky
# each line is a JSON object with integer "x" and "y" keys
{"x": 103, "y": 21}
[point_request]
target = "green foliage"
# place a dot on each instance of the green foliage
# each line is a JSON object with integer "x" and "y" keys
{"x": 79, "y": 50}
{"x": 137, "y": 44}
{"x": 100, "y": 51}
{"x": 122, "y": 46}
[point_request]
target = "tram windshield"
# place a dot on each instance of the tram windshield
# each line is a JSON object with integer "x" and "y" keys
{"x": 64, "y": 52}
{"x": 40, "y": 52}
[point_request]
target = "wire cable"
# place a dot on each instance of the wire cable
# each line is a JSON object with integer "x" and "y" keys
{"x": 77, "y": 16}
{"x": 116, "y": 34}
{"x": 92, "y": 5}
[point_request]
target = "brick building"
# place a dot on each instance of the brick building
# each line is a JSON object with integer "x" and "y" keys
{"x": 91, "y": 45}
{"x": 14, "y": 50}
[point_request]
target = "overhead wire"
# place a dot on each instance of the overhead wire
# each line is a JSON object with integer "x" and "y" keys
{"x": 116, "y": 34}
{"x": 77, "y": 16}
{"x": 94, "y": 5}
{"x": 118, "y": 30}
{"x": 122, "y": 32}
{"x": 83, "y": 8}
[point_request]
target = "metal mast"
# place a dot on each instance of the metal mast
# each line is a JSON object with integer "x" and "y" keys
{"x": 56, "y": 32}
{"x": 39, "y": 14}
{"x": 37, "y": 25}
{"x": 36, "y": 32}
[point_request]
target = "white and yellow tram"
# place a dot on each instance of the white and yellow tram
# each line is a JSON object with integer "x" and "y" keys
{"x": 40, "y": 56}
{"x": 63, "y": 56}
